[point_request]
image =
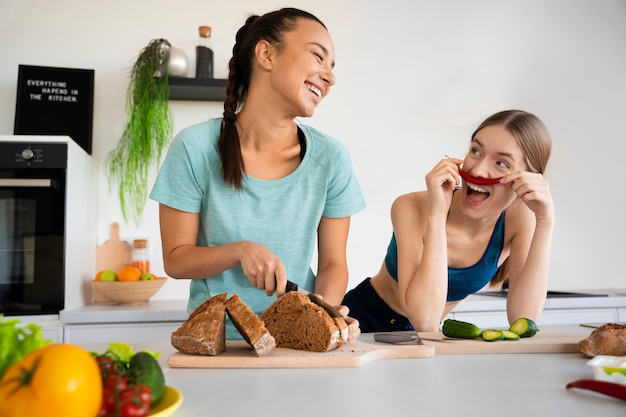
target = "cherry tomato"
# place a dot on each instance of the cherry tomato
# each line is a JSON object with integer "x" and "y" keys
{"x": 117, "y": 382}
{"x": 145, "y": 394}
{"x": 138, "y": 393}
{"x": 133, "y": 409}
{"x": 108, "y": 401}
{"x": 106, "y": 365}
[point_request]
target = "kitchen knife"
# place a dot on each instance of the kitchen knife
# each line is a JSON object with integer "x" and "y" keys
{"x": 397, "y": 338}
{"x": 394, "y": 338}
{"x": 292, "y": 286}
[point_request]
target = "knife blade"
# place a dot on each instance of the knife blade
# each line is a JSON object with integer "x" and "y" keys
{"x": 398, "y": 338}
{"x": 292, "y": 286}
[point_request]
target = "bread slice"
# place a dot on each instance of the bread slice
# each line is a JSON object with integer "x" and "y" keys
{"x": 298, "y": 323}
{"x": 608, "y": 339}
{"x": 204, "y": 331}
{"x": 250, "y": 326}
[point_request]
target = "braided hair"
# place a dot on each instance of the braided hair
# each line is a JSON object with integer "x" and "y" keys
{"x": 269, "y": 27}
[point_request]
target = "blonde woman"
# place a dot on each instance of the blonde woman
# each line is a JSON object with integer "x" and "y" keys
{"x": 449, "y": 242}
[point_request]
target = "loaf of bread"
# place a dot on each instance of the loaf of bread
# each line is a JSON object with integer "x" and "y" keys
{"x": 292, "y": 321}
{"x": 204, "y": 331}
{"x": 250, "y": 326}
{"x": 608, "y": 339}
{"x": 298, "y": 323}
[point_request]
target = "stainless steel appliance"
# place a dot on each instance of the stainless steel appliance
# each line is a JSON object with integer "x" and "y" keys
{"x": 36, "y": 195}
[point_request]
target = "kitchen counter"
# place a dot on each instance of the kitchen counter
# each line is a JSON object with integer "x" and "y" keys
{"x": 445, "y": 385}
{"x": 152, "y": 311}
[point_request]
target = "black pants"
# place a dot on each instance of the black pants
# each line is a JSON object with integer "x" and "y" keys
{"x": 372, "y": 312}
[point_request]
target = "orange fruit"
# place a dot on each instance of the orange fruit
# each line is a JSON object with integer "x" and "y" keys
{"x": 98, "y": 275}
{"x": 128, "y": 273}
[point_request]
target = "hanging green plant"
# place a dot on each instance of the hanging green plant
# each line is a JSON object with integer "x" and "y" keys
{"x": 148, "y": 129}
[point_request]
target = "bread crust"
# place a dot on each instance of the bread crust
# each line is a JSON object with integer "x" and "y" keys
{"x": 204, "y": 331}
{"x": 298, "y": 323}
{"x": 608, "y": 339}
{"x": 250, "y": 326}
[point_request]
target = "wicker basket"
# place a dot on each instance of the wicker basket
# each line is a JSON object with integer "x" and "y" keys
{"x": 129, "y": 293}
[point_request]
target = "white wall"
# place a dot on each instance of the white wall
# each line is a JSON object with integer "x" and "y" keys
{"x": 414, "y": 78}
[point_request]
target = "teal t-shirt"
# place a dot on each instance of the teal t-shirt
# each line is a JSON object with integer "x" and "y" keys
{"x": 281, "y": 214}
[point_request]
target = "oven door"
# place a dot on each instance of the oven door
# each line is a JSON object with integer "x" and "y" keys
{"x": 32, "y": 213}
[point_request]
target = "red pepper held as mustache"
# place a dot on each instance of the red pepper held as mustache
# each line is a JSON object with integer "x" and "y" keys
{"x": 478, "y": 181}
{"x": 612, "y": 389}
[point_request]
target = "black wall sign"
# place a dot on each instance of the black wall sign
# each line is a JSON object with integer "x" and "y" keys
{"x": 55, "y": 101}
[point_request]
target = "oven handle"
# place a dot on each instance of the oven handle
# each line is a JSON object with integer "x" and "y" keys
{"x": 25, "y": 182}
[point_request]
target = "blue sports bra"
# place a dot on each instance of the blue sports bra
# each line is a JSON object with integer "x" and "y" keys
{"x": 462, "y": 281}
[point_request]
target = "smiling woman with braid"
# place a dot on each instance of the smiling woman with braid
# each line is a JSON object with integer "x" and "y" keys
{"x": 245, "y": 198}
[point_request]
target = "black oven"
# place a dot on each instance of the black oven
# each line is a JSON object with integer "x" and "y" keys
{"x": 32, "y": 227}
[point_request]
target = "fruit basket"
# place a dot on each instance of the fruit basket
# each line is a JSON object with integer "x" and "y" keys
{"x": 129, "y": 292}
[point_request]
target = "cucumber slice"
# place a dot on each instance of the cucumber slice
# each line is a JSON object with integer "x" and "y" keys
{"x": 524, "y": 327}
{"x": 491, "y": 335}
{"x": 509, "y": 335}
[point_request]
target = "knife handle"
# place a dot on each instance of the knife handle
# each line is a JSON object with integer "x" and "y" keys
{"x": 291, "y": 286}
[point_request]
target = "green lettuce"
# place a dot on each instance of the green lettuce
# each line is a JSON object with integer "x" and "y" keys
{"x": 17, "y": 341}
{"x": 122, "y": 352}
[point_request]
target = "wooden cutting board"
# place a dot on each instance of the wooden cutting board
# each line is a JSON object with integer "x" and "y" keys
{"x": 542, "y": 342}
{"x": 240, "y": 355}
{"x": 113, "y": 254}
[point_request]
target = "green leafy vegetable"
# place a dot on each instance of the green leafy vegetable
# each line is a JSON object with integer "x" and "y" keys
{"x": 122, "y": 352}
{"x": 16, "y": 341}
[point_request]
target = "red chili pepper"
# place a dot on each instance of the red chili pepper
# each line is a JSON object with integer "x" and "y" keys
{"x": 478, "y": 181}
{"x": 612, "y": 389}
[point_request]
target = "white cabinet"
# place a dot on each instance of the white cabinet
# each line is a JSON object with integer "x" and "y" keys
{"x": 578, "y": 316}
{"x": 51, "y": 326}
{"x": 122, "y": 332}
{"x": 483, "y": 319}
{"x": 53, "y": 333}
{"x": 158, "y": 319}
{"x": 486, "y": 311}
{"x": 104, "y": 323}
{"x": 549, "y": 316}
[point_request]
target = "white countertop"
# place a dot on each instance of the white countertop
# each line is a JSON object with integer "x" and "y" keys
{"x": 152, "y": 311}
{"x": 515, "y": 385}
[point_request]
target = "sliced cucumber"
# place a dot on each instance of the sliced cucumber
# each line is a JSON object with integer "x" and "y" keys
{"x": 460, "y": 329}
{"x": 509, "y": 335}
{"x": 524, "y": 327}
{"x": 491, "y": 335}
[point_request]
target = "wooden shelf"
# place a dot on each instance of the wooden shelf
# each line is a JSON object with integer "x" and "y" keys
{"x": 197, "y": 89}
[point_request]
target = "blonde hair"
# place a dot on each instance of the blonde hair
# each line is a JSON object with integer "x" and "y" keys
{"x": 533, "y": 138}
{"x": 531, "y": 135}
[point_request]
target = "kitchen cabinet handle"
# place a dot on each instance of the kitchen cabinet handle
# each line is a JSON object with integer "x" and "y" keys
{"x": 25, "y": 182}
